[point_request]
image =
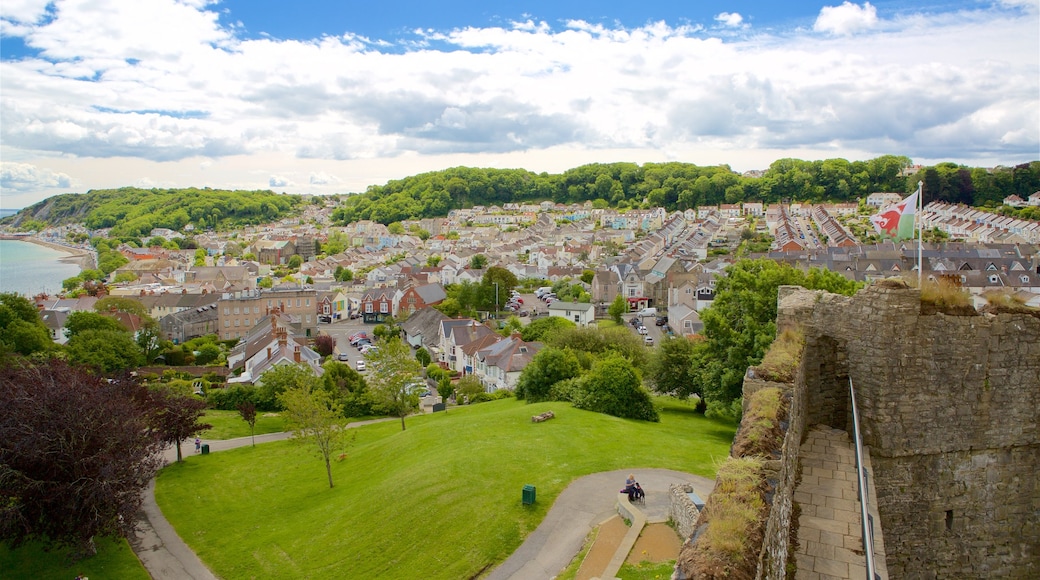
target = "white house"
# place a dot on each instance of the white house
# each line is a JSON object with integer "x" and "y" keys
{"x": 580, "y": 313}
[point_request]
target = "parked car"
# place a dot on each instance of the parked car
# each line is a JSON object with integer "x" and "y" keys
{"x": 363, "y": 343}
{"x": 642, "y": 330}
{"x": 355, "y": 315}
{"x": 344, "y": 357}
{"x": 648, "y": 340}
{"x": 368, "y": 348}
{"x": 635, "y": 322}
{"x": 325, "y": 318}
{"x": 523, "y": 313}
{"x": 662, "y": 320}
{"x": 360, "y": 365}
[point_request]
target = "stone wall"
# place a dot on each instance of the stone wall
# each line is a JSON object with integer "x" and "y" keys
{"x": 949, "y": 407}
{"x": 681, "y": 509}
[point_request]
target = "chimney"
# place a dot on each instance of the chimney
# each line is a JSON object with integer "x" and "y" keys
{"x": 268, "y": 353}
{"x": 274, "y": 324}
{"x": 283, "y": 339}
{"x": 296, "y": 353}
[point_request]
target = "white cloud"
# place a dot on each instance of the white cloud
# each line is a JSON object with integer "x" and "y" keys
{"x": 23, "y": 11}
{"x": 279, "y": 181}
{"x": 27, "y": 177}
{"x": 732, "y": 19}
{"x": 168, "y": 86}
{"x": 846, "y": 19}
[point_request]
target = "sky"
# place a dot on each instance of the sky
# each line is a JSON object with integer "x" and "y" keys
{"x": 323, "y": 96}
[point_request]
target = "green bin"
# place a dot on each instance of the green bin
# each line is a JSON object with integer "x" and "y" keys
{"x": 528, "y": 495}
{"x": 205, "y": 448}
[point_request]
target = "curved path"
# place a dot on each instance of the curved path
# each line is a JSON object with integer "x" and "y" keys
{"x": 583, "y": 505}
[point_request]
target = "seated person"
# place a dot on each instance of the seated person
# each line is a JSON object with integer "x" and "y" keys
{"x": 632, "y": 488}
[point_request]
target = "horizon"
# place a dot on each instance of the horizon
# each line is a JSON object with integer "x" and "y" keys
{"x": 330, "y": 98}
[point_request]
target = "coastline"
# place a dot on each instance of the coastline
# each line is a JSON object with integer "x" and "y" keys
{"x": 82, "y": 258}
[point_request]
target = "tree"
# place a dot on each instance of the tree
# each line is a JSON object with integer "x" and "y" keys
{"x": 672, "y": 368}
{"x": 295, "y": 261}
{"x": 176, "y": 416}
{"x": 741, "y": 323}
{"x": 247, "y": 410}
{"x": 348, "y": 387}
{"x": 618, "y": 308}
{"x": 275, "y": 381}
{"x": 394, "y": 370}
{"x": 598, "y": 341}
{"x": 478, "y": 261}
{"x": 77, "y": 454}
{"x": 469, "y": 386}
{"x": 79, "y": 321}
{"x": 549, "y": 366}
{"x": 107, "y": 350}
{"x": 324, "y": 345}
{"x": 21, "y": 328}
{"x": 423, "y": 356}
{"x": 207, "y": 353}
{"x": 587, "y": 276}
{"x": 543, "y": 328}
{"x": 613, "y": 387}
{"x": 311, "y": 413}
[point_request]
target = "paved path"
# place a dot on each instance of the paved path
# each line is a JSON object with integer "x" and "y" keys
{"x": 830, "y": 536}
{"x": 585, "y": 504}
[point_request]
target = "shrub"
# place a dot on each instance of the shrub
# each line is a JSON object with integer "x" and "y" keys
{"x": 230, "y": 398}
{"x": 781, "y": 361}
{"x": 760, "y": 432}
{"x": 735, "y": 524}
{"x": 485, "y": 397}
{"x": 946, "y": 297}
{"x": 565, "y": 390}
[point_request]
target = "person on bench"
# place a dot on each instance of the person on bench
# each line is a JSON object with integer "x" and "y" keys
{"x": 633, "y": 489}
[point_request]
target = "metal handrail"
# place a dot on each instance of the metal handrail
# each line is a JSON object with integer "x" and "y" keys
{"x": 868, "y": 528}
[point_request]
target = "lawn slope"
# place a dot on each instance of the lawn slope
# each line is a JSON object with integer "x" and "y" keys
{"x": 439, "y": 500}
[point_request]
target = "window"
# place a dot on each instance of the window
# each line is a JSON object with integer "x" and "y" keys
{"x": 297, "y": 302}
{"x": 384, "y": 307}
{"x": 308, "y": 319}
{"x": 308, "y": 302}
{"x": 256, "y": 309}
{"x": 368, "y": 307}
{"x": 227, "y": 311}
{"x": 237, "y": 321}
{"x": 227, "y": 323}
{"x": 236, "y": 310}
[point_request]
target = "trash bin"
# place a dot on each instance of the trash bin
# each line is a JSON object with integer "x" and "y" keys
{"x": 205, "y": 448}
{"x": 528, "y": 495}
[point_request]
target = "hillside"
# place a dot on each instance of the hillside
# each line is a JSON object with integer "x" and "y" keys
{"x": 131, "y": 211}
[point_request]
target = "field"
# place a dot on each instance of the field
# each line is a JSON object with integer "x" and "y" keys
{"x": 439, "y": 500}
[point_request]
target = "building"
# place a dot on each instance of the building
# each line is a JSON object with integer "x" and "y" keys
{"x": 580, "y": 313}
{"x": 239, "y": 312}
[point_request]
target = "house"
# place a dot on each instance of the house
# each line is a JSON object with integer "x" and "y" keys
{"x": 274, "y": 252}
{"x": 580, "y": 313}
{"x": 416, "y": 297}
{"x": 268, "y": 344}
{"x": 187, "y": 324}
{"x": 240, "y": 311}
{"x": 498, "y": 365}
{"x": 421, "y": 329}
{"x": 377, "y": 305}
{"x": 684, "y": 321}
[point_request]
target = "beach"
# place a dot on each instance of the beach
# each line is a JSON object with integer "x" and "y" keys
{"x": 82, "y": 258}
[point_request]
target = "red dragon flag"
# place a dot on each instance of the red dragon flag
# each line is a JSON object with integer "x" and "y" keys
{"x": 897, "y": 221}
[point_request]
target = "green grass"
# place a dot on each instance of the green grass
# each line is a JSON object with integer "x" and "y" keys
{"x": 114, "y": 559}
{"x": 439, "y": 500}
{"x": 647, "y": 571}
{"x": 229, "y": 424}
{"x": 606, "y": 323}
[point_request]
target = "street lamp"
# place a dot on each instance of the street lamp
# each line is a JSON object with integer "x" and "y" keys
{"x": 496, "y": 298}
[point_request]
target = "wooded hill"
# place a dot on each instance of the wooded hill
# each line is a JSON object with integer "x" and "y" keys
{"x": 683, "y": 185}
{"x": 134, "y": 212}
{"x": 131, "y": 211}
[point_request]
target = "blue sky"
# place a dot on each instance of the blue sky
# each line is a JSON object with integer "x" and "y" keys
{"x": 318, "y": 96}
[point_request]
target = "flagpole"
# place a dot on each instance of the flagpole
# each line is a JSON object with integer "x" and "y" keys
{"x": 920, "y": 231}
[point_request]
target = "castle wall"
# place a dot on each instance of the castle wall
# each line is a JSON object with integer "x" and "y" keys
{"x": 949, "y": 407}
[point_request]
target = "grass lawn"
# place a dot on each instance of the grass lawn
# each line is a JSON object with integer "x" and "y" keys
{"x": 439, "y": 500}
{"x": 114, "y": 559}
{"x": 229, "y": 424}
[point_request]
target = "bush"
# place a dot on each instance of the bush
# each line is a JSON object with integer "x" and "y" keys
{"x": 566, "y": 390}
{"x": 781, "y": 361}
{"x": 230, "y": 398}
{"x": 495, "y": 396}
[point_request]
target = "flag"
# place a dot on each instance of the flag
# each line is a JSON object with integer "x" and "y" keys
{"x": 897, "y": 221}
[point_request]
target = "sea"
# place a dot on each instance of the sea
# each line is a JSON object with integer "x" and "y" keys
{"x": 30, "y": 269}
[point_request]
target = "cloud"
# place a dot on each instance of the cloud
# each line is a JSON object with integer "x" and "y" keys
{"x": 27, "y": 177}
{"x": 168, "y": 83}
{"x": 731, "y": 19}
{"x": 24, "y": 11}
{"x": 846, "y": 19}
{"x": 279, "y": 181}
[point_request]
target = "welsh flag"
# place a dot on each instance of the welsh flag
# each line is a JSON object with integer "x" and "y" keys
{"x": 897, "y": 221}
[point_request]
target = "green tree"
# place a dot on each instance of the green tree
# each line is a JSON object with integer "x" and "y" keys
{"x": 313, "y": 415}
{"x": 613, "y": 387}
{"x": 395, "y": 228}
{"x": 423, "y": 356}
{"x": 549, "y": 366}
{"x": 478, "y": 262}
{"x": 82, "y": 320}
{"x": 599, "y": 341}
{"x": 543, "y": 328}
{"x": 394, "y": 370}
{"x": 265, "y": 282}
{"x": 200, "y": 257}
{"x": 469, "y": 387}
{"x": 672, "y": 368}
{"x": 587, "y": 276}
{"x": 348, "y": 387}
{"x": 741, "y": 323}
{"x": 618, "y": 308}
{"x": 280, "y": 378}
{"x": 433, "y": 261}
{"x": 295, "y": 261}
{"x": 207, "y": 354}
{"x": 21, "y": 328}
{"x": 107, "y": 350}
